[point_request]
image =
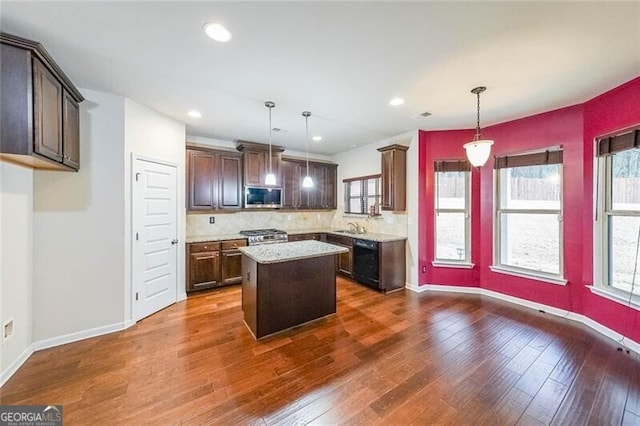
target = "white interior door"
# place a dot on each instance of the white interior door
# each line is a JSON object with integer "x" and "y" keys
{"x": 155, "y": 237}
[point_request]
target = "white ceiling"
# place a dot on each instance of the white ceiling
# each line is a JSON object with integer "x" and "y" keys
{"x": 341, "y": 61}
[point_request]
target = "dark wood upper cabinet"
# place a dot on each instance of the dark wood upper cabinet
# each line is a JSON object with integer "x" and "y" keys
{"x": 323, "y": 193}
{"x": 230, "y": 183}
{"x": 47, "y": 93}
{"x": 201, "y": 180}
{"x": 291, "y": 183}
{"x": 70, "y": 131}
{"x": 256, "y": 162}
{"x": 394, "y": 177}
{"x": 39, "y": 113}
{"x": 214, "y": 180}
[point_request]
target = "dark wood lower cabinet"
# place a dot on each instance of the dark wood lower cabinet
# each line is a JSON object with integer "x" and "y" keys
{"x": 232, "y": 262}
{"x": 304, "y": 237}
{"x": 214, "y": 264}
{"x": 344, "y": 264}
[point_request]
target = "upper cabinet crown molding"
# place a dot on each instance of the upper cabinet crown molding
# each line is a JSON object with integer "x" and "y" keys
{"x": 394, "y": 177}
{"x": 41, "y": 53}
{"x": 39, "y": 112}
{"x": 247, "y": 146}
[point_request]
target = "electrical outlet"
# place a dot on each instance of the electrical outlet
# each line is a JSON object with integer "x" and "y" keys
{"x": 7, "y": 329}
{"x": 212, "y": 219}
{"x": 424, "y": 269}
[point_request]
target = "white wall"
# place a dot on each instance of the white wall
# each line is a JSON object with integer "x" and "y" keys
{"x": 412, "y": 212}
{"x": 366, "y": 160}
{"x": 16, "y": 258}
{"x": 153, "y": 135}
{"x": 79, "y": 229}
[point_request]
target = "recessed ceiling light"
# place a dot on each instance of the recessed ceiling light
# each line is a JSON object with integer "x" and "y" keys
{"x": 396, "y": 101}
{"x": 194, "y": 114}
{"x": 317, "y": 138}
{"x": 217, "y": 32}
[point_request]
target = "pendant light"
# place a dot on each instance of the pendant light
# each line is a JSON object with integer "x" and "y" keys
{"x": 307, "y": 182}
{"x": 478, "y": 150}
{"x": 270, "y": 178}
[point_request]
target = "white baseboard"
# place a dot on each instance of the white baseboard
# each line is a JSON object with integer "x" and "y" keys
{"x": 15, "y": 365}
{"x": 78, "y": 335}
{"x": 182, "y": 296}
{"x": 594, "y": 325}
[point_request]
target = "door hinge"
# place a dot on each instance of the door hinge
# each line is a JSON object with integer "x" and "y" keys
{"x": 138, "y": 176}
{"x": 136, "y": 295}
{"x": 137, "y": 236}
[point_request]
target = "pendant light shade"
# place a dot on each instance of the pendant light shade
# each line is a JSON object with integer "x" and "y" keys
{"x": 478, "y": 150}
{"x": 270, "y": 178}
{"x": 307, "y": 182}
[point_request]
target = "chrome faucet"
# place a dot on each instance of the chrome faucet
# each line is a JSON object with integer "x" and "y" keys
{"x": 356, "y": 228}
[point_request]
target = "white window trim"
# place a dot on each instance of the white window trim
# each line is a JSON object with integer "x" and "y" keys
{"x": 466, "y": 262}
{"x": 498, "y": 267}
{"x": 617, "y": 295}
{"x": 452, "y": 264}
{"x": 526, "y": 273}
{"x": 601, "y": 286}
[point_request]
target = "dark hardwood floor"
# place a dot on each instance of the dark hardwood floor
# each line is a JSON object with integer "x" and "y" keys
{"x": 402, "y": 358}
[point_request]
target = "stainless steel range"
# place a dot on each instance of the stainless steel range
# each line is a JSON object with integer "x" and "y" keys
{"x": 265, "y": 236}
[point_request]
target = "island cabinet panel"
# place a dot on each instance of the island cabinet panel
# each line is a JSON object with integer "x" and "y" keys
{"x": 275, "y": 298}
{"x": 214, "y": 180}
{"x": 394, "y": 177}
{"x": 39, "y": 108}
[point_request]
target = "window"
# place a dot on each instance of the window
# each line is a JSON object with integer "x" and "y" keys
{"x": 452, "y": 219}
{"x": 362, "y": 195}
{"x": 528, "y": 215}
{"x": 618, "y": 219}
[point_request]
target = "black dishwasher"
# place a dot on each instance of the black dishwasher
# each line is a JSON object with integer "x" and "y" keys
{"x": 365, "y": 262}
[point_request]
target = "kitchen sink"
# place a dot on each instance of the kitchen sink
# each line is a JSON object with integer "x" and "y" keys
{"x": 346, "y": 231}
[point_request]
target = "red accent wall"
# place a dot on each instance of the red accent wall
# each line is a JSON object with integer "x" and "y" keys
{"x": 608, "y": 113}
{"x": 446, "y": 145}
{"x": 575, "y": 128}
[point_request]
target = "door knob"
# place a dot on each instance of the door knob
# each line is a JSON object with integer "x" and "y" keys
{"x": 174, "y": 241}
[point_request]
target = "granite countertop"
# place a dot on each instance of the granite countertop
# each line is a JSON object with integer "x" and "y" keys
{"x": 284, "y": 252}
{"x": 216, "y": 237}
{"x": 370, "y": 236}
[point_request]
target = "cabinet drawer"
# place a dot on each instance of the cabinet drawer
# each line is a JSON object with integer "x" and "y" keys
{"x": 203, "y": 247}
{"x": 339, "y": 239}
{"x": 233, "y": 244}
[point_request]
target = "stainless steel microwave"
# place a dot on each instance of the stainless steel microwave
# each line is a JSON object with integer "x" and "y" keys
{"x": 259, "y": 197}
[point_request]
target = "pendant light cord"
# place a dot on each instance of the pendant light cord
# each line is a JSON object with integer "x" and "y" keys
{"x": 306, "y": 126}
{"x": 270, "y": 128}
{"x": 478, "y": 118}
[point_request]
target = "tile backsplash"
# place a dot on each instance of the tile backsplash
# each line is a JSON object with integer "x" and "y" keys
{"x": 230, "y": 223}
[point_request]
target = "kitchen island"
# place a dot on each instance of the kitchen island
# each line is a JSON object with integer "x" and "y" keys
{"x": 288, "y": 284}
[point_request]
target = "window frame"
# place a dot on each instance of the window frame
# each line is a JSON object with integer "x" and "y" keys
{"x": 605, "y": 150}
{"x": 364, "y": 194}
{"x": 453, "y": 166}
{"x": 549, "y": 156}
